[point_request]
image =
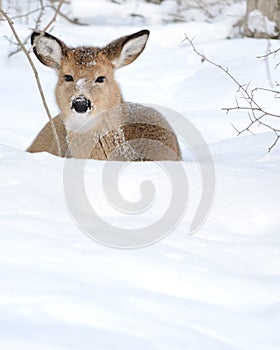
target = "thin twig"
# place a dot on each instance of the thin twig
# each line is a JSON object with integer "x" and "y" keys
{"x": 54, "y": 16}
{"x": 71, "y": 20}
{"x": 274, "y": 52}
{"x": 275, "y": 141}
{"x": 225, "y": 70}
{"x": 25, "y": 14}
{"x": 11, "y": 24}
{"x": 257, "y": 114}
{"x": 26, "y": 40}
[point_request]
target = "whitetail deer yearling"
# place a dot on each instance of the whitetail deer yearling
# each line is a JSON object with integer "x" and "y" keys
{"x": 95, "y": 122}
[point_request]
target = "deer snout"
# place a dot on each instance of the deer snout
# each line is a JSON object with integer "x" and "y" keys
{"x": 81, "y": 104}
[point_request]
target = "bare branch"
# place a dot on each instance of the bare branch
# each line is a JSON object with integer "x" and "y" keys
{"x": 274, "y": 52}
{"x": 258, "y": 115}
{"x": 11, "y": 25}
{"x": 71, "y": 20}
{"x": 54, "y": 16}
{"x": 275, "y": 141}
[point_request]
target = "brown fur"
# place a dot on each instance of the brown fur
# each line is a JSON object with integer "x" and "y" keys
{"x": 119, "y": 130}
{"x": 45, "y": 141}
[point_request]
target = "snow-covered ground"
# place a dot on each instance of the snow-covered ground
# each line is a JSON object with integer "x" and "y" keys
{"x": 217, "y": 289}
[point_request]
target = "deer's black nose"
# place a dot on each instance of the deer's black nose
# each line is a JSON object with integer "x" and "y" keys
{"x": 81, "y": 104}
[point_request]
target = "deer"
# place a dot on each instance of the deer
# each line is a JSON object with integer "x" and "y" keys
{"x": 94, "y": 120}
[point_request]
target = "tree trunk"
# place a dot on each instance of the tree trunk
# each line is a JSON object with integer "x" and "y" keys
{"x": 262, "y": 19}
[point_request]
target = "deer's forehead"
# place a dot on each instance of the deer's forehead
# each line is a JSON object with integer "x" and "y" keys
{"x": 85, "y": 56}
{"x": 88, "y": 59}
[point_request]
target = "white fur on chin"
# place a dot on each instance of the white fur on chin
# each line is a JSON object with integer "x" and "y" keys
{"x": 80, "y": 122}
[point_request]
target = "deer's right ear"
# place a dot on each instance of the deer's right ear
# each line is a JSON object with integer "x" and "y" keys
{"x": 48, "y": 49}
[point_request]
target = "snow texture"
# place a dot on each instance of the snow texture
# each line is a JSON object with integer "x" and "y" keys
{"x": 259, "y": 23}
{"x": 218, "y": 289}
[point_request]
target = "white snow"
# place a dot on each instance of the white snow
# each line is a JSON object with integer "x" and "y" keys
{"x": 217, "y": 289}
{"x": 257, "y": 22}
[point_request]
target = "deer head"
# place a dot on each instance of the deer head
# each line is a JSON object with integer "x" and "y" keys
{"x": 86, "y": 86}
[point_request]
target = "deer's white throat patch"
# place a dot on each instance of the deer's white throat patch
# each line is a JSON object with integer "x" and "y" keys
{"x": 80, "y": 122}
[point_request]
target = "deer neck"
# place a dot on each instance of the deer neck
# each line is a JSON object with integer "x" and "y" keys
{"x": 85, "y": 136}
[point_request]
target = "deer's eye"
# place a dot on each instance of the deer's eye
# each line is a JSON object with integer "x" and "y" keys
{"x": 100, "y": 79}
{"x": 68, "y": 77}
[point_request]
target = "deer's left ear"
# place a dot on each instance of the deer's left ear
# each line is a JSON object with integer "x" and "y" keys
{"x": 126, "y": 49}
{"x": 48, "y": 49}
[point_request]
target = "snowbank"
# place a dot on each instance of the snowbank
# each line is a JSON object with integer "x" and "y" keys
{"x": 217, "y": 289}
